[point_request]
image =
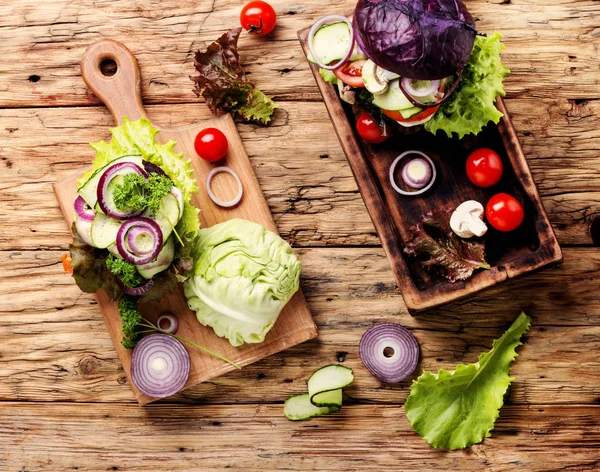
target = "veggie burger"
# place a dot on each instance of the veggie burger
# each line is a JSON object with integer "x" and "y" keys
{"x": 413, "y": 62}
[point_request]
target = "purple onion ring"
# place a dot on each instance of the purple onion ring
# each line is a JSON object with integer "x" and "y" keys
{"x": 108, "y": 175}
{"x": 141, "y": 290}
{"x": 132, "y": 235}
{"x": 83, "y": 210}
{"x": 160, "y": 366}
{"x": 172, "y": 323}
{"x": 152, "y": 227}
{"x": 389, "y": 351}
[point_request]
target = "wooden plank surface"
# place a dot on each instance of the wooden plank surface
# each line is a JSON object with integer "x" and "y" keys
{"x": 62, "y": 384}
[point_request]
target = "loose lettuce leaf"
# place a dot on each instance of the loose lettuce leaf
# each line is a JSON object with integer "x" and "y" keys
{"x": 471, "y": 106}
{"x": 455, "y": 409}
{"x": 224, "y": 85}
{"x": 243, "y": 276}
{"x": 89, "y": 268}
{"x": 328, "y": 76}
{"x": 138, "y": 137}
{"x": 440, "y": 249}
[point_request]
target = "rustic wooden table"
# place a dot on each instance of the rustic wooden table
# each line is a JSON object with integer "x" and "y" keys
{"x": 65, "y": 403}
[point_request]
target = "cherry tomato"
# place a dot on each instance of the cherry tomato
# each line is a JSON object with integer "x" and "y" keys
{"x": 369, "y": 130}
{"x": 211, "y": 144}
{"x": 351, "y": 73}
{"x": 484, "y": 167}
{"x": 504, "y": 212}
{"x": 258, "y": 18}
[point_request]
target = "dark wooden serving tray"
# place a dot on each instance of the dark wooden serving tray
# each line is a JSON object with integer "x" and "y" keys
{"x": 530, "y": 247}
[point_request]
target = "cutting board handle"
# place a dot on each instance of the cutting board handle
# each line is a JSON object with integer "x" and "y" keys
{"x": 120, "y": 92}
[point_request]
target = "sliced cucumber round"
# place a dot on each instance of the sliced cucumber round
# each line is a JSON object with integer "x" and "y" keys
{"x": 104, "y": 230}
{"x": 167, "y": 216}
{"x": 299, "y": 407}
{"x": 325, "y": 385}
{"x": 162, "y": 262}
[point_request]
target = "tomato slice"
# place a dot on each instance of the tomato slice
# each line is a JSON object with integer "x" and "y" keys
{"x": 351, "y": 73}
{"x": 423, "y": 115}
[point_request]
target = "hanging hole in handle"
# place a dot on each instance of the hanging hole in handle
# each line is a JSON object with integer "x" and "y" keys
{"x": 108, "y": 67}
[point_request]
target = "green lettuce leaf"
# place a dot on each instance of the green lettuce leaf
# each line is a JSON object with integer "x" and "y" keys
{"x": 138, "y": 137}
{"x": 224, "y": 85}
{"x": 328, "y": 76}
{"x": 440, "y": 249}
{"x": 471, "y": 106}
{"x": 243, "y": 276}
{"x": 455, "y": 409}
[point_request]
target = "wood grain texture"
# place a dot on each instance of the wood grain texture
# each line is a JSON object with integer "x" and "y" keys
{"x": 311, "y": 208}
{"x": 122, "y": 96}
{"x": 258, "y": 437}
{"x": 54, "y": 346}
{"x": 72, "y": 358}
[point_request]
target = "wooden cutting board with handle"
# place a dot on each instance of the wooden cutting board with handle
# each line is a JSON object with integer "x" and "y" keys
{"x": 121, "y": 93}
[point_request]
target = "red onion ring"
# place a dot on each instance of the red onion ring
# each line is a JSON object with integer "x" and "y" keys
{"x": 160, "y": 366}
{"x": 313, "y": 31}
{"x": 132, "y": 235}
{"x": 152, "y": 227}
{"x": 171, "y": 319}
{"x": 139, "y": 291}
{"x": 413, "y": 92}
{"x": 213, "y": 197}
{"x": 83, "y": 210}
{"x": 420, "y": 104}
{"x": 106, "y": 178}
{"x": 417, "y": 192}
{"x": 416, "y": 183}
{"x": 389, "y": 351}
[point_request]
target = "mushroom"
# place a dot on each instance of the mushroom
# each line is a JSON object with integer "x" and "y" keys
{"x": 467, "y": 220}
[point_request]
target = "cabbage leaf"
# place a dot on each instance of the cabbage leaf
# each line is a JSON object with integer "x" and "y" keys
{"x": 455, "y": 409}
{"x": 242, "y": 278}
{"x": 471, "y": 106}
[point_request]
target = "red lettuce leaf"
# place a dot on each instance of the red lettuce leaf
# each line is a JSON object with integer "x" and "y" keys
{"x": 224, "y": 85}
{"x": 438, "y": 248}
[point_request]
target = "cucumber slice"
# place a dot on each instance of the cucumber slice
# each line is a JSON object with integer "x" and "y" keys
{"x": 325, "y": 385}
{"x": 324, "y": 394}
{"x": 84, "y": 228}
{"x": 88, "y": 190}
{"x": 104, "y": 230}
{"x": 299, "y": 407}
{"x": 167, "y": 216}
{"x": 406, "y": 114}
{"x": 162, "y": 262}
{"x": 393, "y": 98}
{"x": 331, "y": 43}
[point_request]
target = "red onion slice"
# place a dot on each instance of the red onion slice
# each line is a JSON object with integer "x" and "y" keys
{"x": 434, "y": 85}
{"x": 313, "y": 31}
{"x": 168, "y": 322}
{"x": 139, "y": 291}
{"x": 213, "y": 197}
{"x": 83, "y": 210}
{"x": 441, "y": 98}
{"x": 160, "y": 366}
{"x": 109, "y": 174}
{"x": 133, "y": 242}
{"x": 424, "y": 189}
{"x": 416, "y": 173}
{"x": 389, "y": 351}
{"x": 149, "y": 225}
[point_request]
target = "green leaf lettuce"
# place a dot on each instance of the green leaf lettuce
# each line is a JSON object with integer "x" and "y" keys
{"x": 455, "y": 409}
{"x": 243, "y": 276}
{"x": 471, "y": 106}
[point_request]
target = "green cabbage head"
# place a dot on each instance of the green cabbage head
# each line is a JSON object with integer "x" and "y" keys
{"x": 243, "y": 276}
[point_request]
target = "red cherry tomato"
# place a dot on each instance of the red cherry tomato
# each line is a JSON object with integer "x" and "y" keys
{"x": 351, "y": 73}
{"x": 369, "y": 130}
{"x": 258, "y": 18}
{"x": 211, "y": 144}
{"x": 484, "y": 167}
{"x": 504, "y": 212}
